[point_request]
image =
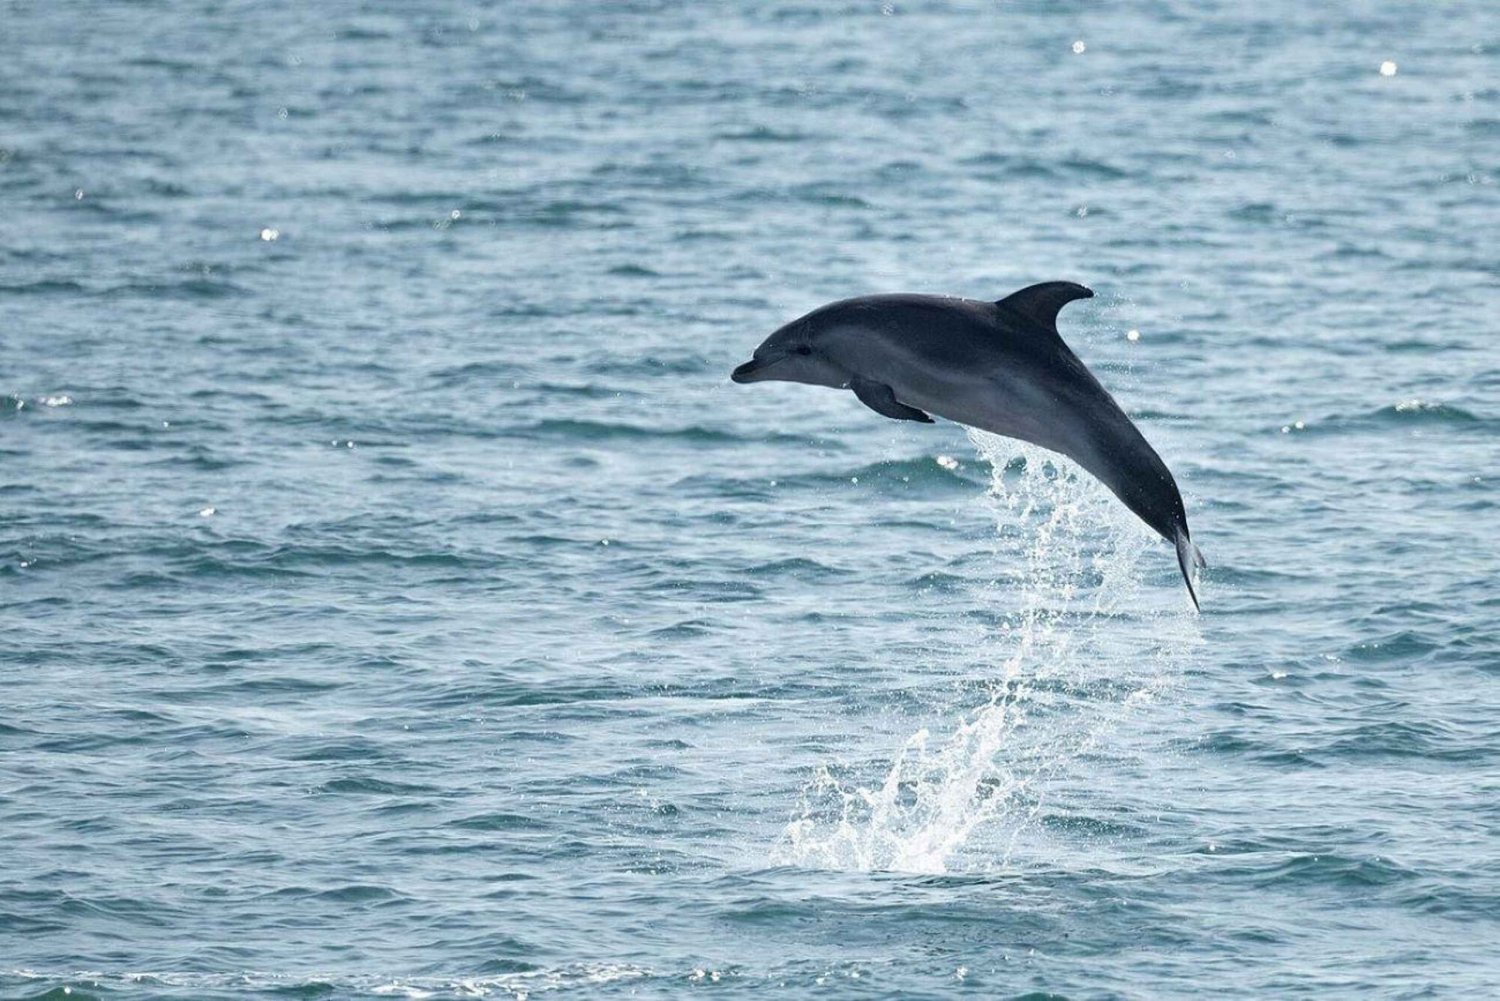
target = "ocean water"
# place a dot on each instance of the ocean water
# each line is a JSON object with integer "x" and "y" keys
{"x": 397, "y": 599}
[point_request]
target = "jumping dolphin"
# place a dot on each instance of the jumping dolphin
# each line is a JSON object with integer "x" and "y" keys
{"x": 998, "y": 366}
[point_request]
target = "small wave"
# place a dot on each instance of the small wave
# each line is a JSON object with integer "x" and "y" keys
{"x": 161, "y": 62}
{"x": 1415, "y": 345}
{"x": 1401, "y": 739}
{"x": 827, "y": 198}
{"x": 633, "y": 271}
{"x": 367, "y": 786}
{"x": 686, "y": 629}
{"x": 934, "y": 474}
{"x": 1411, "y": 413}
{"x": 685, "y": 363}
{"x": 100, "y": 207}
{"x": 43, "y": 287}
{"x": 510, "y": 694}
{"x": 66, "y": 993}
{"x": 1343, "y": 140}
{"x": 1244, "y": 116}
{"x": 1258, "y": 212}
{"x": 1096, "y": 169}
{"x": 1397, "y": 648}
{"x": 604, "y": 431}
{"x": 822, "y": 195}
{"x": 255, "y": 559}
{"x": 799, "y": 568}
{"x": 498, "y": 822}
{"x": 166, "y": 189}
{"x": 702, "y": 235}
{"x": 1413, "y": 410}
{"x": 1167, "y": 88}
{"x": 762, "y": 134}
{"x": 1007, "y": 166}
{"x": 564, "y": 213}
{"x": 358, "y": 893}
{"x": 191, "y": 289}
{"x": 1331, "y": 869}
{"x": 360, "y": 33}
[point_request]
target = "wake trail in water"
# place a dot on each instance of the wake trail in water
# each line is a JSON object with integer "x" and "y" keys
{"x": 1085, "y": 644}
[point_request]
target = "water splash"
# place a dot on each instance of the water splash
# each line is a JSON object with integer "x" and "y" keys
{"x": 1085, "y": 642}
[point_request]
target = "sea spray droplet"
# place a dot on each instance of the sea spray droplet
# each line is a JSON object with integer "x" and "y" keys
{"x": 962, "y": 793}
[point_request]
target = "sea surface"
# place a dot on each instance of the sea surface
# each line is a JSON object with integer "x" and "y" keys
{"x": 398, "y": 600}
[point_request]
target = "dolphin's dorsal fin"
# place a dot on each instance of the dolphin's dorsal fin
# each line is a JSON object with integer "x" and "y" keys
{"x": 1040, "y": 303}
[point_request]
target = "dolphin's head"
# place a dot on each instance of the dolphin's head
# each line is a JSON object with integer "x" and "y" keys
{"x": 793, "y": 354}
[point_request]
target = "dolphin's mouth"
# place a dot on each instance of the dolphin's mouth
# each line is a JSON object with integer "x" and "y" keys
{"x": 747, "y": 371}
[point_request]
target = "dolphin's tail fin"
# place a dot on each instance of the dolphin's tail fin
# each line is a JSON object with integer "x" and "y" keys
{"x": 1189, "y": 559}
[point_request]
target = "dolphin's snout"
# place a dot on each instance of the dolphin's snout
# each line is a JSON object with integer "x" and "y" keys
{"x": 746, "y": 372}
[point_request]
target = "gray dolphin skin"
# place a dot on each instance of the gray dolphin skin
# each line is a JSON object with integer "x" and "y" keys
{"x": 998, "y": 366}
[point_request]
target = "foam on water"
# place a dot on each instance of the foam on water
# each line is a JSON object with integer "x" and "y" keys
{"x": 517, "y": 986}
{"x": 1064, "y": 669}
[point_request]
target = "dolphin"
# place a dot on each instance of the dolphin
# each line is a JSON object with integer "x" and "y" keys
{"x": 998, "y": 366}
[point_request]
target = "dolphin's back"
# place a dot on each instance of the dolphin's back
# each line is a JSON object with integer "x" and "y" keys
{"x": 942, "y": 329}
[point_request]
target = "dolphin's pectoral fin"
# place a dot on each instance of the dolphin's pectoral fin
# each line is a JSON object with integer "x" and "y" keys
{"x": 882, "y": 399}
{"x": 1041, "y": 303}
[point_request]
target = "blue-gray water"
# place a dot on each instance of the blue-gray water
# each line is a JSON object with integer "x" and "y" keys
{"x": 397, "y": 598}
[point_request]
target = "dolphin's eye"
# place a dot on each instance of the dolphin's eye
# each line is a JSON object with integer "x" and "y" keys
{"x": 802, "y": 349}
